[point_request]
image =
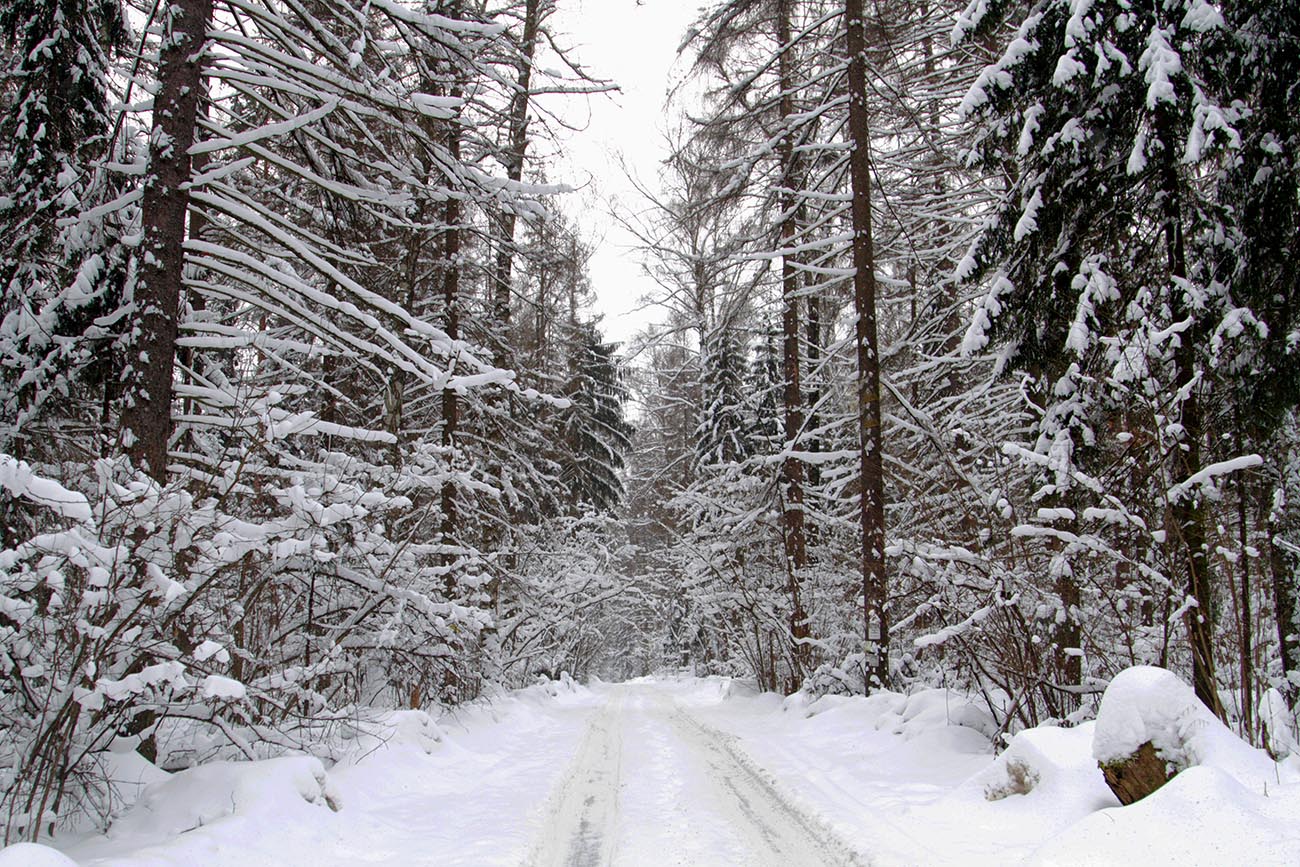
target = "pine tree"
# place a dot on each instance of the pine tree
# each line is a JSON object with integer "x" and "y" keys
{"x": 1096, "y": 114}
{"x": 1253, "y": 231}
{"x": 723, "y": 437}
{"x": 596, "y": 433}
{"x": 58, "y": 276}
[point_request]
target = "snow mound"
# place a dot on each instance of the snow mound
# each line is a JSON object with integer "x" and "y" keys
{"x": 1051, "y": 769}
{"x": 125, "y": 775}
{"x": 1229, "y": 803}
{"x": 33, "y": 855}
{"x": 731, "y": 687}
{"x": 209, "y": 793}
{"x": 498, "y": 704}
{"x": 1145, "y": 703}
{"x": 1201, "y": 816}
{"x": 415, "y": 728}
{"x": 928, "y": 723}
{"x": 559, "y": 686}
{"x": 1280, "y": 723}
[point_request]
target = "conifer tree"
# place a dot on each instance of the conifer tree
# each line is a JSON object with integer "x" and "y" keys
{"x": 1100, "y": 115}
{"x": 58, "y": 273}
{"x": 596, "y": 433}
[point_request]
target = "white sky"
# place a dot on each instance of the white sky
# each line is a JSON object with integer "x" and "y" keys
{"x": 634, "y": 44}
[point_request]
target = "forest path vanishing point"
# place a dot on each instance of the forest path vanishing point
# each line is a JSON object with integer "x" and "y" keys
{"x": 653, "y": 785}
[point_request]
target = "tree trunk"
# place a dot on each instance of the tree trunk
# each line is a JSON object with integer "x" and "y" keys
{"x": 792, "y": 516}
{"x": 871, "y": 446}
{"x": 451, "y": 308}
{"x": 1137, "y": 776}
{"x": 1245, "y": 624}
{"x": 514, "y": 164}
{"x": 147, "y": 410}
{"x": 1187, "y": 512}
{"x": 1067, "y": 636}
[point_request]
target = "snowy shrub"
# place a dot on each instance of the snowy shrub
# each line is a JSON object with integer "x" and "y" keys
{"x": 1021, "y": 778}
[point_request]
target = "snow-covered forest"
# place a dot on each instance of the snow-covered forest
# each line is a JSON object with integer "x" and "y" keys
{"x": 971, "y": 367}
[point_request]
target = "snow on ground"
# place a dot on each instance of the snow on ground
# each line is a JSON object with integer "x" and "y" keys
{"x": 707, "y": 772}
{"x": 912, "y": 780}
{"x": 905, "y": 778}
{"x": 1229, "y": 803}
{"x": 654, "y": 786}
{"x": 473, "y": 796}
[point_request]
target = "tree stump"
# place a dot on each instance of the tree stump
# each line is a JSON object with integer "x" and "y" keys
{"x": 1135, "y": 777}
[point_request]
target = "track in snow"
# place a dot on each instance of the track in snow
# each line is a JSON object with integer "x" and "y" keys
{"x": 651, "y": 785}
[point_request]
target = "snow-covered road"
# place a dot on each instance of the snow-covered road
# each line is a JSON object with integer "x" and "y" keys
{"x": 702, "y": 772}
{"x": 654, "y": 785}
{"x": 619, "y": 774}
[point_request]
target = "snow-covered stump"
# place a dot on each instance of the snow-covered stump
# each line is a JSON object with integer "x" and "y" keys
{"x": 1146, "y": 726}
{"x": 1138, "y": 775}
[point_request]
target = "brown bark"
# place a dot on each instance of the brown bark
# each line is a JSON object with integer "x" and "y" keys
{"x": 514, "y": 165}
{"x": 816, "y": 356}
{"x": 1066, "y": 631}
{"x": 792, "y": 516}
{"x": 871, "y": 445}
{"x": 451, "y": 307}
{"x": 1245, "y": 624}
{"x": 1139, "y": 775}
{"x": 147, "y": 410}
{"x": 1067, "y": 639}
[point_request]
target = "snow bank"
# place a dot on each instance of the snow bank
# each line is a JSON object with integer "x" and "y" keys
{"x": 859, "y": 763}
{"x": 498, "y": 704}
{"x": 915, "y": 715}
{"x": 463, "y": 789}
{"x": 913, "y": 779}
{"x": 1228, "y": 803}
{"x": 209, "y": 793}
{"x": 401, "y": 730}
{"x": 33, "y": 855}
{"x": 1280, "y": 723}
{"x": 1048, "y": 772}
{"x": 1201, "y": 816}
{"x": 126, "y": 774}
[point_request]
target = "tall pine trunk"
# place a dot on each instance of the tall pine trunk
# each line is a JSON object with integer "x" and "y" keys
{"x": 514, "y": 164}
{"x": 792, "y": 516}
{"x": 451, "y": 308}
{"x": 871, "y": 447}
{"x": 147, "y": 405}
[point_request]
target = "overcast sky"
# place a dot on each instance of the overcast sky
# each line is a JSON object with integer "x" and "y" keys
{"x": 635, "y": 45}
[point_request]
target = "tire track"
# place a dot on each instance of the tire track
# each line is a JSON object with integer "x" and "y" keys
{"x": 782, "y": 835}
{"x": 581, "y": 825}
